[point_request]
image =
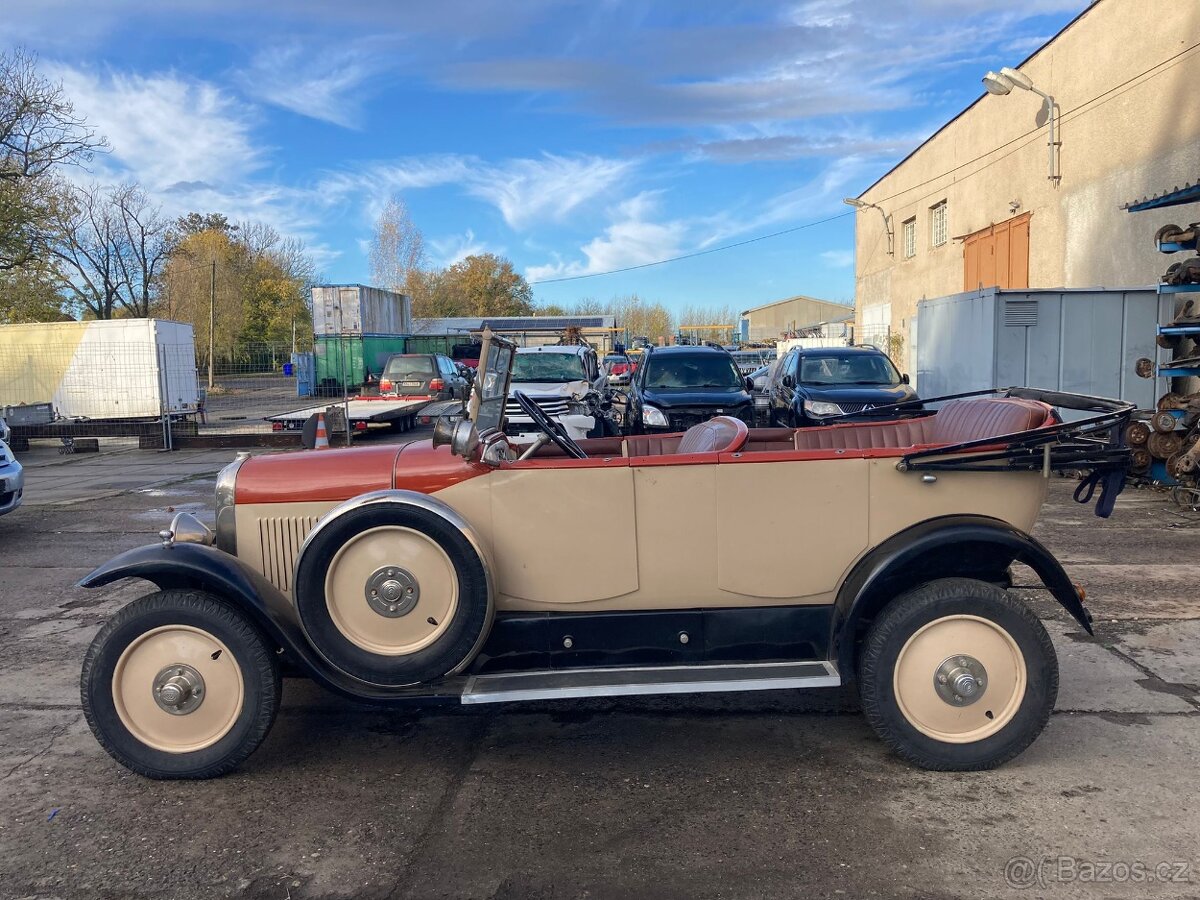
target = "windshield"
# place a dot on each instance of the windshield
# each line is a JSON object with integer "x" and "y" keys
{"x": 708, "y": 371}
{"x": 858, "y": 369}
{"x": 554, "y": 367}
{"x": 400, "y": 367}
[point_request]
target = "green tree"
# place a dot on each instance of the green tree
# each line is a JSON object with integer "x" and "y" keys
{"x": 479, "y": 285}
{"x": 30, "y": 294}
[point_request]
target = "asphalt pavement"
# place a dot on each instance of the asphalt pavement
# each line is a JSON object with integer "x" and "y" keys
{"x": 760, "y": 795}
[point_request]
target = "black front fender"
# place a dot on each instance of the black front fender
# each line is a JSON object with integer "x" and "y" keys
{"x": 966, "y": 546}
{"x": 206, "y": 568}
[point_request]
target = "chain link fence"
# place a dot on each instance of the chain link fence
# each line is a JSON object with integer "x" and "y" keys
{"x": 80, "y": 390}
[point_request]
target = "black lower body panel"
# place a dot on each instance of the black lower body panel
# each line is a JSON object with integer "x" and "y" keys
{"x": 522, "y": 641}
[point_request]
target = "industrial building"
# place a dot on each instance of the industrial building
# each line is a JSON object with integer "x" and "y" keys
{"x": 1025, "y": 188}
{"x": 786, "y": 318}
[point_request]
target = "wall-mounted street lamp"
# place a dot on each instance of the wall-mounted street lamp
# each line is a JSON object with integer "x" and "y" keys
{"x": 1002, "y": 82}
{"x": 887, "y": 220}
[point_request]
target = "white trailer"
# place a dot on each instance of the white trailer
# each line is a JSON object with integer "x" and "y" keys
{"x": 110, "y": 370}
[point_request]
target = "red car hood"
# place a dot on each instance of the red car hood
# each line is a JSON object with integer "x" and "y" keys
{"x": 336, "y": 475}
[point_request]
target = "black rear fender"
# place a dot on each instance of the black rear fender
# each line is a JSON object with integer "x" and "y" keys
{"x": 950, "y": 547}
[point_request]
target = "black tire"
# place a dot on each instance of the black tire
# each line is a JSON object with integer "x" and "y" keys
{"x": 451, "y": 649}
{"x": 219, "y": 618}
{"x": 903, "y": 618}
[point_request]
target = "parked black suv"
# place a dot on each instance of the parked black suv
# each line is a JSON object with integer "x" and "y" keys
{"x": 675, "y": 388}
{"x": 811, "y": 385}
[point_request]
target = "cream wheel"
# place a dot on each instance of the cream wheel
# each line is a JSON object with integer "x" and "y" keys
{"x": 959, "y": 679}
{"x": 391, "y": 590}
{"x": 180, "y": 684}
{"x": 178, "y": 689}
{"x": 957, "y": 674}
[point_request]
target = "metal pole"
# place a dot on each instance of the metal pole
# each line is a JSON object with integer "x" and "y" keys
{"x": 212, "y": 320}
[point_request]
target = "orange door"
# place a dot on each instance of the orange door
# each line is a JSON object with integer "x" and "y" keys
{"x": 997, "y": 256}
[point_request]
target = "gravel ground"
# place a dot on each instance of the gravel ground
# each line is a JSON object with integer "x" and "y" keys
{"x": 761, "y": 795}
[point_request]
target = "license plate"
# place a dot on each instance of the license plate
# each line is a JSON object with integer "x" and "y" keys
{"x": 411, "y": 383}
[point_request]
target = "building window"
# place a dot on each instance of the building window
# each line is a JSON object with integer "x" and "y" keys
{"x": 937, "y": 224}
{"x": 910, "y": 238}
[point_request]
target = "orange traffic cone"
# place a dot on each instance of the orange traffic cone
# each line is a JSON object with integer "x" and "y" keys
{"x": 322, "y": 439}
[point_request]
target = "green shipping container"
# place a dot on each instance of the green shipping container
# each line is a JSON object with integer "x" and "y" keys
{"x": 349, "y": 361}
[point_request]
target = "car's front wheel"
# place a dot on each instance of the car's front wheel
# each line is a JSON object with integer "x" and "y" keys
{"x": 957, "y": 675}
{"x": 180, "y": 684}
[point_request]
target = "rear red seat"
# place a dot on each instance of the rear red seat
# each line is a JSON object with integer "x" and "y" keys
{"x": 969, "y": 419}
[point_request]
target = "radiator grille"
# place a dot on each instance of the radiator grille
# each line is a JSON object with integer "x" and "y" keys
{"x": 854, "y": 407}
{"x": 551, "y": 406}
{"x": 280, "y": 538}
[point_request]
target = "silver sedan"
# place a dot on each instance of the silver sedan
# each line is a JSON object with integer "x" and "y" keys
{"x": 12, "y": 477}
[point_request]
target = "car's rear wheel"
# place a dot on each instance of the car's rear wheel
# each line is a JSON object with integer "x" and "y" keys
{"x": 393, "y": 594}
{"x": 180, "y": 684}
{"x": 958, "y": 675}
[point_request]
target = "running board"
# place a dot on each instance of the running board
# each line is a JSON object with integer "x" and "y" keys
{"x": 557, "y": 684}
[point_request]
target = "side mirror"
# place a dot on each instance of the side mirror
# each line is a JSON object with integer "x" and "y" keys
{"x": 904, "y": 379}
{"x": 789, "y": 381}
{"x": 749, "y": 383}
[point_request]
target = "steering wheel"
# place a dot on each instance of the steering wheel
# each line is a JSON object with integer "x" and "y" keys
{"x": 548, "y": 426}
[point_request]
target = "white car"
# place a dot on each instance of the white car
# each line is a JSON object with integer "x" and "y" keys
{"x": 565, "y": 381}
{"x": 12, "y": 477}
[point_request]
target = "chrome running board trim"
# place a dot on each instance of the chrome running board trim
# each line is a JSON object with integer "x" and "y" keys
{"x": 647, "y": 680}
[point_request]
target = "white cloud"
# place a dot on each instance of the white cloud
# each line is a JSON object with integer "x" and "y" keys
{"x": 838, "y": 259}
{"x": 526, "y": 191}
{"x": 449, "y": 250}
{"x": 165, "y": 129}
{"x": 546, "y": 188}
{"x": 319, "y": 81}
{"x": 631, "y": 240}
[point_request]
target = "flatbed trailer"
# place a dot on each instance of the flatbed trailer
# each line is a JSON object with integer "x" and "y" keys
{"x": 364, "y": 413}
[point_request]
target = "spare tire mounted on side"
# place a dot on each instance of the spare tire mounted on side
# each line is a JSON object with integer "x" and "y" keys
{"x": 393, "y": 594}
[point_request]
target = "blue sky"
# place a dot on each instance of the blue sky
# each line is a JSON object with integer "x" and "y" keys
{"x": 572, "y": 137}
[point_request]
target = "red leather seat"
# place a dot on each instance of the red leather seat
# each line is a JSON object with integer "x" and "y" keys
{"x": 959, "y": 421}
{"x": 723, "y": 434}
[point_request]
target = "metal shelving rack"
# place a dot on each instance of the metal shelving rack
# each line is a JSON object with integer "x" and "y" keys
{"x": 1188, "y": 367}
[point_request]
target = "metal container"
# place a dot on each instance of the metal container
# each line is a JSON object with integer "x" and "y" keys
{"x": 28, "y": 414}
{"x": 1084, "y": 341}
{"x": 349, "y": 361}
{"x": 357, "y": 309}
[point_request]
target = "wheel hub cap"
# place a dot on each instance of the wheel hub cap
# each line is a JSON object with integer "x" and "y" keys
{"x": 179, "y": 689}
{"x": 960, "y": 680}
{"x": 392, "y": 592}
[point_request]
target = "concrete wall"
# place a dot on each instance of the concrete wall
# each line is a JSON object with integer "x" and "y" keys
{"x": 774, "y": 319}
{"x": 1126, "y": 133}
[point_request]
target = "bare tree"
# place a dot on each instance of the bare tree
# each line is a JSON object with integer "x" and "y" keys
{"x": 110, "y": 244}
{"x": 39, "y": 130}
{"x": 144, "y": 246}
{"x": 397, "y": 247}
{"x": 88, "y": 241}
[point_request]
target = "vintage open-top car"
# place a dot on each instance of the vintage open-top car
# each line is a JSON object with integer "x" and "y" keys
{"x": 449, "y": 570}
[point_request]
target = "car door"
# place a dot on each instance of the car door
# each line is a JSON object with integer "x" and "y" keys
{"x": 783, "y": 390}
{"x": 450, "y": 376}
